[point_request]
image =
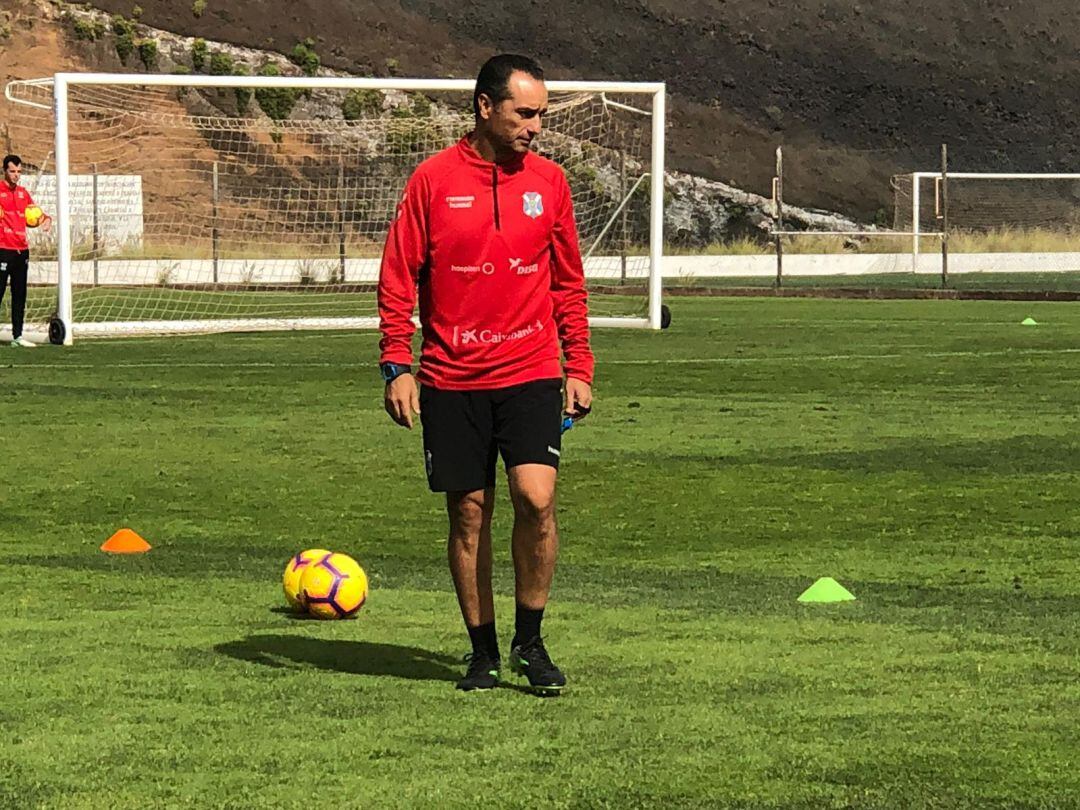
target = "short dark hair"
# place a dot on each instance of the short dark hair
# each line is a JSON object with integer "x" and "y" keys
{"x": 494, "y": 78}
{"x": 12, "y": 159}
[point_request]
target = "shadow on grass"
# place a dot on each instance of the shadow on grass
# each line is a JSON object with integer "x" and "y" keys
{"x": 292, "y": 613}
{"x": 539, "y": 694}
{"x": 1014, "y": 455}
{"x": 353, "y": 657}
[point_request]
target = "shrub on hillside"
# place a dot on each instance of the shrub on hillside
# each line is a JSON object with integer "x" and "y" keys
{"x": 276, "y": 102}
{"x": 125, "y": 37}
{"x": 199, "y": 53}
{"x": 243, "y": 94}
{"x": 360, "y": 103}
{"x": 303, "y": 56}
{"x": 89, "y": 30}
{"x": 221, "y": 64}
{"x": 148, "y": 52}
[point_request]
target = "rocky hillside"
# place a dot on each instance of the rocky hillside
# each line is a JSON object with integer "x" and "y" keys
{"x": 855, "y": 90}
{"x": 51, "y": 37}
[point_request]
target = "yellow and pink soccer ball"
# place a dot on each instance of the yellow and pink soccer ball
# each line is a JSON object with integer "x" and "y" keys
{"x": 290, "y": 580}
{"x": 33, "y": 216}
{"x": 333, "y": 587}
{"x": 325, "y": 584}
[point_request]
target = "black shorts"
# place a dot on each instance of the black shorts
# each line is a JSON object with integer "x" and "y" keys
{"x": 465, "y": 431}
{"x": 13, "y": 262}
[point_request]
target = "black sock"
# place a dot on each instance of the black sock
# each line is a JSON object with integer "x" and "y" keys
{"x": 526, "y": 624}
{"x": 484, "y": 640}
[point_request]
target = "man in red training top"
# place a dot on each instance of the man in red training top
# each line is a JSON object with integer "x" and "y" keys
{"x": 485, "y": 237}
{"x": 14, "y": 247}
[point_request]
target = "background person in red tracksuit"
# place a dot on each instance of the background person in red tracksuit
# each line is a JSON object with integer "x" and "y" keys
{"x": 485, "y": 237}
{"x": 14, "y": 247}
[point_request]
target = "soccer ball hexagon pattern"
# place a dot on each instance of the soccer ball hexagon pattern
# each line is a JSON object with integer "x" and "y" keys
{"x": 290, "y": 580}
{"x": 333, "y": 587}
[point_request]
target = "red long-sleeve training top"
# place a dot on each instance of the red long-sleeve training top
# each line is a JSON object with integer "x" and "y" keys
{"x": 13, "y": 205}
{"x": 492, "y": 251}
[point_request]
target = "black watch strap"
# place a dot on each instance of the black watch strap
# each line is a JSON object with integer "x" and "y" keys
{"x": 391, "y": 371}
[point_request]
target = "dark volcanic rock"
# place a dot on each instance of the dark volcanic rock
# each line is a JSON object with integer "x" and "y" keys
{"x": 856, "y": 92}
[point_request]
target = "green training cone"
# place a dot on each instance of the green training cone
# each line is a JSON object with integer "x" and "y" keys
{"x": 1029, "y": 322}
{"x": 826, "y": 589}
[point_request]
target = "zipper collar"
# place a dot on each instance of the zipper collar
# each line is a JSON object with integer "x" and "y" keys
{"x": 471, "y": 157}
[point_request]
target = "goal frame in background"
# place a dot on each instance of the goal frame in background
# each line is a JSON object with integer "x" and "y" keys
{"x": 941, "y": 214}
{"x": 63, "y": 327}
{"x": 941, "y": 179}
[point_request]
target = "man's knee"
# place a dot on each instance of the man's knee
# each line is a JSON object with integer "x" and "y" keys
{"x": 467, "y": 512}
{"x": 535, "y": 504}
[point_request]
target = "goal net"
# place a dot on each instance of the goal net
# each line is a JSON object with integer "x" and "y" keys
{"x": 201, "y": 204}
{"x": 827, "y": 249}
{"x": 1007, "y": 223}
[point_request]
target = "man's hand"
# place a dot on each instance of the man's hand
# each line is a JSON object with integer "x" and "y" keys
{"x": 578, "y": 398}
{"x": 402, "y": 400}
{"x": 46, "y": 224}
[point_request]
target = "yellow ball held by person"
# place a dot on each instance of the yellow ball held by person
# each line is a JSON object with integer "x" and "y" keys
{"x": 333, "y": 587}
{"x": 290, "y": 580}
{"x": 34, "y": 216}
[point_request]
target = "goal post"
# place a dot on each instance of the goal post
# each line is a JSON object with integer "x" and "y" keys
{"x": 881, "y": 252}
{"x": 197, "y": 203}
{"x": 1004, "y": 222}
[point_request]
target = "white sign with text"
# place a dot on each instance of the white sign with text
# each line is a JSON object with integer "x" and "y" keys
{"x": 119, "y": 208}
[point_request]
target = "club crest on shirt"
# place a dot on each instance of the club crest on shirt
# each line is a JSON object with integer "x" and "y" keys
{"x": 532, "y": 204}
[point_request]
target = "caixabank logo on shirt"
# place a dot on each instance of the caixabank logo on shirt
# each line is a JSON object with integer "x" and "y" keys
{"x": 465, "y": 337}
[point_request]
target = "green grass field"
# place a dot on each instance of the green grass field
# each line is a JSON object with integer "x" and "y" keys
{"x": 164, "y": 303}
{"x": 992, "y": 282}
{"x": 924, "y": 453}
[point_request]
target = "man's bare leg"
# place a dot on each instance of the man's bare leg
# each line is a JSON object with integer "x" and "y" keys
{"x": 468, "y": 551}
{"x": 535, "y": 548}
{"x": 536, "y": 538}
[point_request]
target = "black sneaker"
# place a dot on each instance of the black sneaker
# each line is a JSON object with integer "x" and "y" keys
{"x": 483, "y": 673}
{"x": 531, "y": 659}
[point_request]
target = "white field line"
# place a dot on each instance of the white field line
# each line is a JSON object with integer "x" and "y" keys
{"x": 37, "y": 334}
{"x": 682, "y": 361}
{"x": 830, "y": 358}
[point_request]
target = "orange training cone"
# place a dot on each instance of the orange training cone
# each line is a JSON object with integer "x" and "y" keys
{"x": 125, "y": 541}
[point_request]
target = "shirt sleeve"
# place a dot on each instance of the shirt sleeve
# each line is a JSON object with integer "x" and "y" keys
{"x": 570, "y": 298}
{"x": 405, "y": 253}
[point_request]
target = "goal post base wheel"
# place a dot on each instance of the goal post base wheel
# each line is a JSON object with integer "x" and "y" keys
{"x": 57, "y": 332}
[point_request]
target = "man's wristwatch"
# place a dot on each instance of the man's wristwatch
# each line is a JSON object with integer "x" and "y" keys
{"x": 391, "y": 371}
